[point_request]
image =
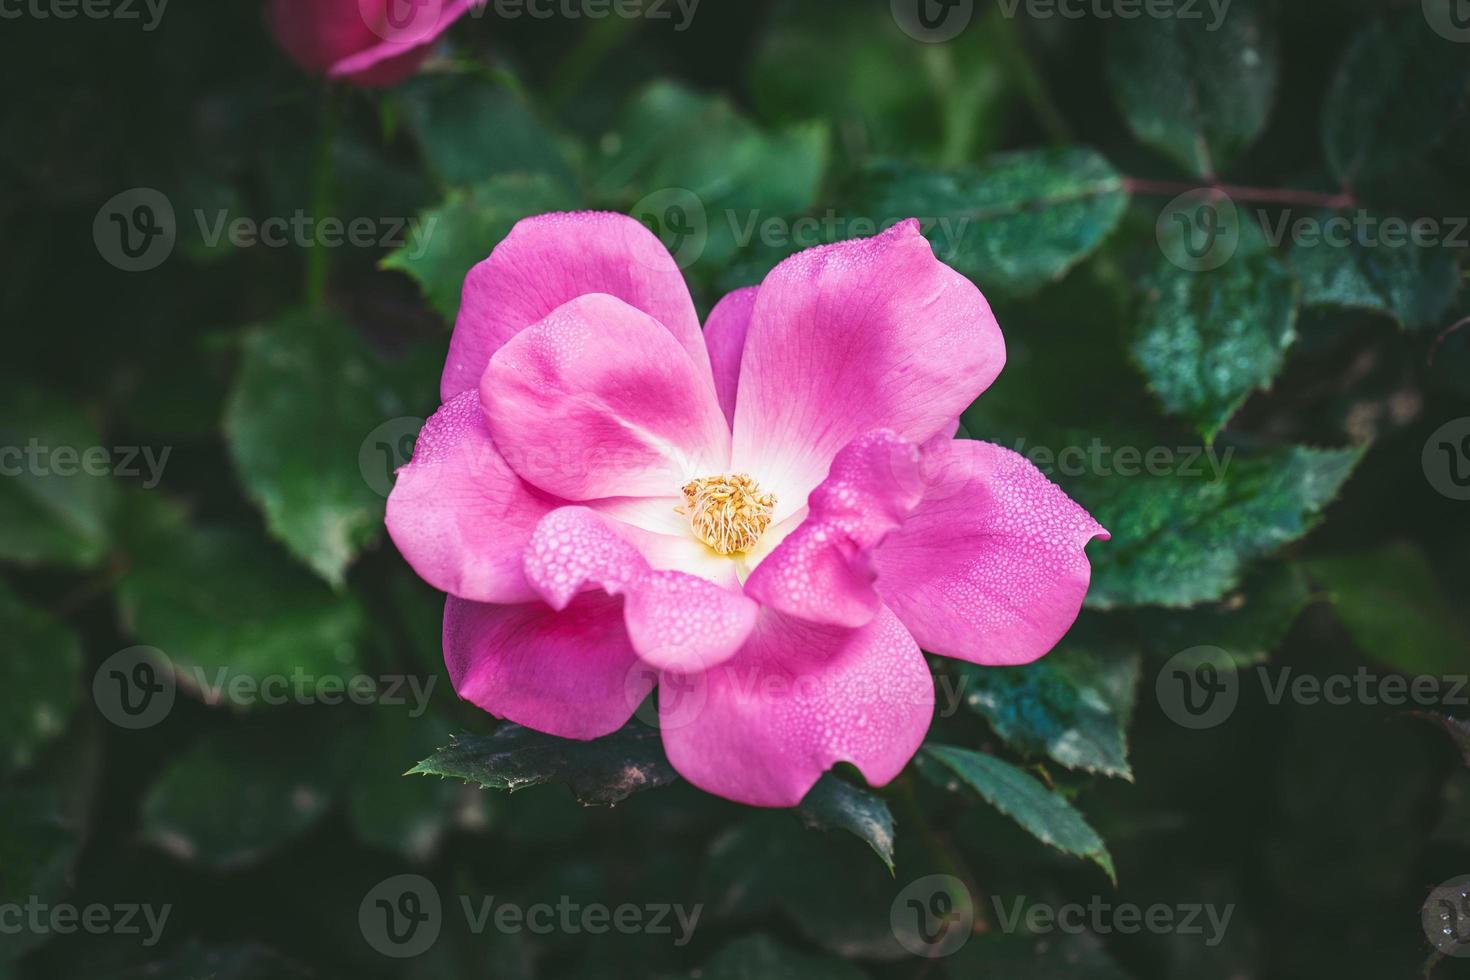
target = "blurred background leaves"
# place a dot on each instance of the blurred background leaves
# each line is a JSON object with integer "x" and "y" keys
{"x": 1253, "y": 408}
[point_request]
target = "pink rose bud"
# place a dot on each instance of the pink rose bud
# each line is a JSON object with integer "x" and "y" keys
{"x": 366, "y": 42}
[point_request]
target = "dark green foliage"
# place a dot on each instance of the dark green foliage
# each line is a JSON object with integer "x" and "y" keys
{"x": 1197, "y": 235}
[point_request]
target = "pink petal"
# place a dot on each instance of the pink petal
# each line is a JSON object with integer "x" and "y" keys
{"x": 317, "y": 33}
{"x": 598, "y": 400}
{"x": 401, "y": 43}
{"x": 570, "y": 673}
{"x": 554, "y": 258}
{"x": 991, "y": 567}
{"x": 869, "y": 334}
{"x": 796, "y": 700}
{"x": 823, "y": 571}
{"x": 676, "y": 621}
{"x": 724, "y": 335}
{"x": 459, "y": 514}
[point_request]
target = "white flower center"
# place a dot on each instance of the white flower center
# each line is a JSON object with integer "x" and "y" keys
{"x": 728, "y": 512}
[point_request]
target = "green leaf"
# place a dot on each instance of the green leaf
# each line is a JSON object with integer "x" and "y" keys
{"x": 760, "y": 957}
{"x": 224, "y": 604}
{"x": 1351, "y": 265}
{"x": 1198, "y": 90}
{"x": 466, "y": 227}
{"x": 1072, "y": 705}
{"x": 1391, "y": 602}
{"x": 1248, "y": 624}
{"x": 52, "y": 509}
{"x": 704, "y": 177}
{"x": 1179, "y": 540}
{"x": 241, "y": 792}
{"x": 39, "y": 844}
{"x": 308, "y": 396}
{"x": 883, "y": 93}
{"x": 835, "y": 804}
{"x": 40, "y": 681}
{"x": 1043, "y": 813}
{"x": 1012, "y": 224}
{"x": 604, "y": 771}
{"x": 471, "y": 128}
{"x": 1207, "y": 339}
{"x": 827, "y": 885}
{"x": 1396, "y": 93}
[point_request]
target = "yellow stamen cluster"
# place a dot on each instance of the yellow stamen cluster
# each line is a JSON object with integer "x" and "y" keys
{"x": 729, "y": 513}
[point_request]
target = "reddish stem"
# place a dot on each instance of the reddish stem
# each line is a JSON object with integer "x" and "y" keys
{"x": 1256, "y": 195}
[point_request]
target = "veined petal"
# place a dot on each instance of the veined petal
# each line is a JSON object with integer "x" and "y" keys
{"x": 724, "y": 335}
{"x": 552, "y": 259}
{"x": 459, "y": 514}
{"x": 598, "y": 400}
{"x": 570, "y": 673}
{"x": 869, "y": 334}
{"x": 991, "y": 567}
{"x": 397, "y": 45}
{"x": 823, "y": 570}
{"x": 797, "y": 699}
{"x": 676, "y": 621}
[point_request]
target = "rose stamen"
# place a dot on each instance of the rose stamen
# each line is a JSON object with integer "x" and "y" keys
{"x": 728, "y": 512}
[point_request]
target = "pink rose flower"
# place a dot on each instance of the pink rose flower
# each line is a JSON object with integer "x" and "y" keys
{"x": 366, "y": 42}
{"x": 768, "y": 517}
